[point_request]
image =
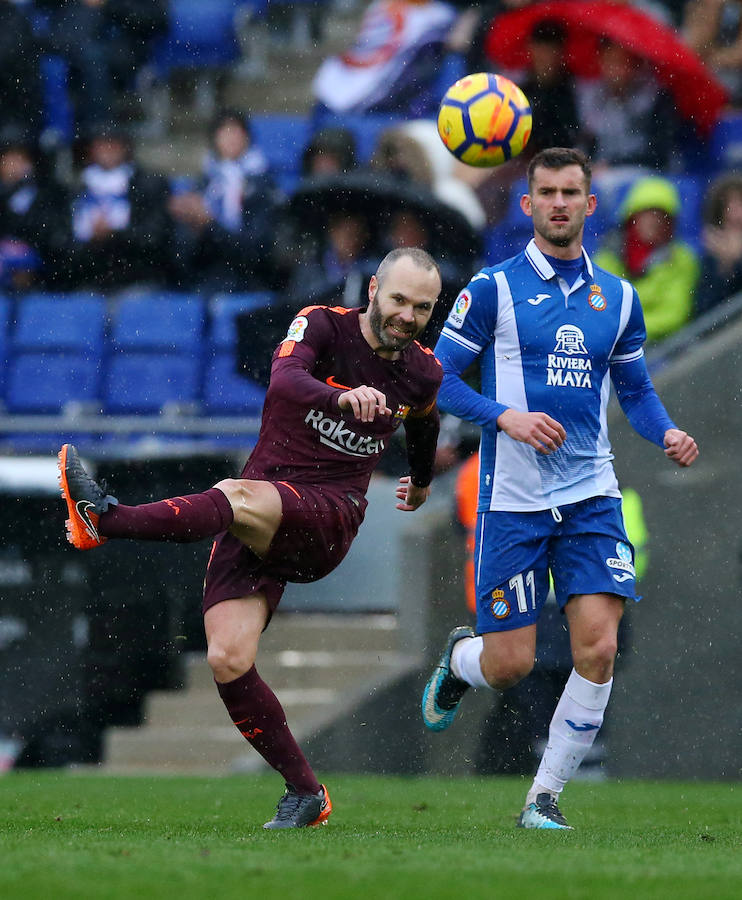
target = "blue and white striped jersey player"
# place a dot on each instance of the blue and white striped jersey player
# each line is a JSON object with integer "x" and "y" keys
{"x": 550, "y": 332}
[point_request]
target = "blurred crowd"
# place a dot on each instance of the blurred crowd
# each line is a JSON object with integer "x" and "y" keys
{"x": 105, "y": 222}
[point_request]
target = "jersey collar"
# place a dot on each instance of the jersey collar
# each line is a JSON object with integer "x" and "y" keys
{"x": 542, "y": 266}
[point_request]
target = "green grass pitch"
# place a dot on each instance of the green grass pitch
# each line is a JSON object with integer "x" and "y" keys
{"x": 67, "y": 836}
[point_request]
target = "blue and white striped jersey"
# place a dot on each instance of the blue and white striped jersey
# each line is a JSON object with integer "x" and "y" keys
{"x": 545, "y": 347}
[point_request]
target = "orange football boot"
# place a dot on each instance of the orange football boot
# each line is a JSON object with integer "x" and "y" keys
{"x": 86, "y": 500}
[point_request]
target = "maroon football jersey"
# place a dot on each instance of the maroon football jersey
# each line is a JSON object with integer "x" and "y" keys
{"x": 304, "y": 436}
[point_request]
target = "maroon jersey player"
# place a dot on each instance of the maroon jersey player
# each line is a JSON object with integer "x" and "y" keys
{"x": 342, "y": 381}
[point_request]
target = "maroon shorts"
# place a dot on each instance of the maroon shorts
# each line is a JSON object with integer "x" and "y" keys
{"x": 317, "y": 528}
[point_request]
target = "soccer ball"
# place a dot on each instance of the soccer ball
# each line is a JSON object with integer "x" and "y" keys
{"x": 484, "y": 119}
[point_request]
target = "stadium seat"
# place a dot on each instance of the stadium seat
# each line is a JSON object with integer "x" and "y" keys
{"x": 200, "y": 35}
{"x": 47, "y": 381}
{"x": 159, "y": 322}
{"x": 726, "y": 142}
{"x": 54, "y": 352}
{"x": 60, "y": 322}
{"x": 58, "y": 113}
{"x": 147, "y": 383}
{"x": 157, "y": 343}
{"x": 282, "y": 138}
{"x": 225, "y": 391}
{"x": 222, "y": 311}
{"x": 228, "y": 393}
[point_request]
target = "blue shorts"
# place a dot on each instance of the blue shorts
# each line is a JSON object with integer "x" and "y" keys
{"x": 584, "y": 545}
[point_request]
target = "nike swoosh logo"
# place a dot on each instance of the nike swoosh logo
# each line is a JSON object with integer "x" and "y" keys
{"x": 431, "y": 712}
{"x": 336, "y": 384}
{"x": 586, "y": 726}
{"x": 539, "y": 298}
{"x": 82, "y": 507}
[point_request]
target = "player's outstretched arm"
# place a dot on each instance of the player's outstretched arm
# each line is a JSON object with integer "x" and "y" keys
{"x": 409, "y": 495}
{"x": 680, "y": 447}
{"x": 536, "y": 429}
{"x": 365, "y": 402}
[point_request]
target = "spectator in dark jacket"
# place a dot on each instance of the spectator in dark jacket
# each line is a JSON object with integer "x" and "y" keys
{"x": 224, "y": 226}
{"x": 119, "y": 217}
{"x": 34, "y": 227}
{"x": 550, "y": 89}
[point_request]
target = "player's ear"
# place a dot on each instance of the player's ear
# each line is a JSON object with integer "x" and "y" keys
{"x": 525, "y": 204}
{"x": 373, "y": 287}
{"x": 592, "y": 202}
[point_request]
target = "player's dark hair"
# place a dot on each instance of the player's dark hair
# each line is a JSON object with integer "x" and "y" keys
{"x": 560, "y": 158}
{"x": 419, "y": 256}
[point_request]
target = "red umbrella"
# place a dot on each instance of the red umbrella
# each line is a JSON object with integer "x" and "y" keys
{"x": 698, "y": 94}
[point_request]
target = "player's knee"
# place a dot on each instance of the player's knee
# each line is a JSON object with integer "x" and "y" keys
{"x": 504, "y": 672}
{"x": 235, "y": 491}
{"x": 595, "y": 660}
{"x": 228, "y": 660}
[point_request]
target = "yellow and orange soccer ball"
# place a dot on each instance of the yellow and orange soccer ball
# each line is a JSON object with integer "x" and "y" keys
{"x": 484, "y": 119}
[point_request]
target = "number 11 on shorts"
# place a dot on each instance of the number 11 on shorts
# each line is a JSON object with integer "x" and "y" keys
{"x": 517, "y": 584}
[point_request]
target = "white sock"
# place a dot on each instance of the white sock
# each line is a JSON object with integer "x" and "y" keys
{"x": 465, "y": 661}
{"x": 583, "y": 704}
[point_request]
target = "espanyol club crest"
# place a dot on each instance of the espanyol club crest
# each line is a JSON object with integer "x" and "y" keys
{"x": 500, "y": 606}
{"x": 596, "y": 299}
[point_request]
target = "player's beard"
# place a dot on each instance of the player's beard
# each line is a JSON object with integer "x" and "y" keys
{"x": 386, "y": 341}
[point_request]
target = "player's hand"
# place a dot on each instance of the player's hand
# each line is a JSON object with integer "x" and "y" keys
{"x": 536, "y": 429}
{"x": 365, "y": 402}
{"x": 680, "y": 447}
{"x": 410, "y": 496}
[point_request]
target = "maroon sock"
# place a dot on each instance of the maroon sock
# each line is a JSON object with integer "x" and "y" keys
{"x": 181, "y": 519}
{"x": 255, "y": 710}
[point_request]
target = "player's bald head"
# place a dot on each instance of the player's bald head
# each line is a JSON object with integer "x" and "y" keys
{"x": 416, "y": 255}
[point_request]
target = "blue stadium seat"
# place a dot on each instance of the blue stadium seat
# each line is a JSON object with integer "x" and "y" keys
{"x": 148, "y": 382}
{"x": 726, "y": 142}
{"x": 282, "y": 138}
{"x": 157, "y": 344}
{"x": 159, "y": 322}
{"x": 227, "y": 393}
{"x": 200, "y": 34}
{"x": 222, "y": 311}
{"x": 54, "y": 352}
{"x": 58, "y": 113}
{"x": 60, "y": 322}
{"x": 46, "y": 381}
